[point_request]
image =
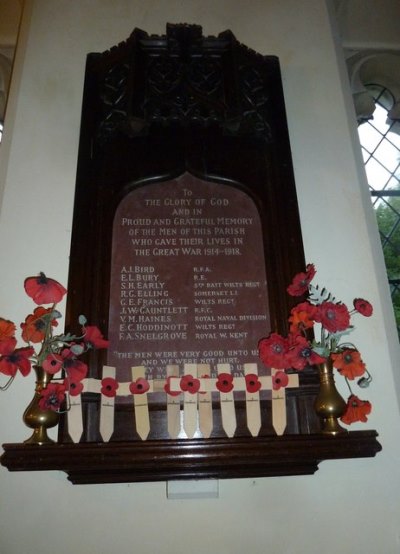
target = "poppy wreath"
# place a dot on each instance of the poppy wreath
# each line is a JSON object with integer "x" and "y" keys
{"x": 54, "y": 353}
{"x": 297, "y": 351}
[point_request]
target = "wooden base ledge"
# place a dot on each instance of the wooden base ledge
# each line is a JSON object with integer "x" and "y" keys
{"x": 122, "y": 462}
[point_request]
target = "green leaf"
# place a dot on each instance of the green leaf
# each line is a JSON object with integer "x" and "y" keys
{"x": 317, "y": 296}
{"x": 66, "y": 338}
{"x": 337, "y": 336}
{"x": 77, "y": 349}
{"x": 321, "y": 351}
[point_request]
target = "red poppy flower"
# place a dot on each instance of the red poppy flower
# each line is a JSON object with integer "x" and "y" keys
{"x": 73, "y": 387}
{"x": 34, "y": 328}
{"x": 300, "y": 282}
{"x": 357, "y": 410}
{"x": 334, "y": 317}
{"x": 13, "y": 360}
{"x": 252, "y": 382}
{"x": 109, "y": 386}
{"x": 273, "y": 351}
{"x": 167, "y": 388}
{"x": 302, "y": 317}
{"x": 74, "y": 368}
{"x": 301, "y": 354}
{"x": 7, "y": 329}
{"x": 188, "y": 383}
{"x": 7, "y": 346}
{"x": 224, "y": 382}
{"x": 140, "y": 386}
{"x": 44, "y": 290}
{"x": 52, "y": 396}
{"x": 279, "y": 380}
{"x": 363, "y": 307}
{"x": 94, "y": 338}
{"x": 52, "y": 363}
{"x": 349, "y": 363}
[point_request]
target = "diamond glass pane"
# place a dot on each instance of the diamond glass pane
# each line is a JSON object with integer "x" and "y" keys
{"x": 369, "y": 136}
{"x": 394, "y": 183}
{"x": 388, "y": 155}
{"x": 377, "y": 175}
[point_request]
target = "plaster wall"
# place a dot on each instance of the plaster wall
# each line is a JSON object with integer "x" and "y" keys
{"x": 367, "y": 23}
{"x": 348, "y": 506}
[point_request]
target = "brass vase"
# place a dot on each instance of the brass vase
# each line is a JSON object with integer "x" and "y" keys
{"x": 37, "y": 419}
{"x": 329, "y": 405}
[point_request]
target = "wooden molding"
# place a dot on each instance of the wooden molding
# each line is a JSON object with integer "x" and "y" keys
{"x": 123, "y": 462}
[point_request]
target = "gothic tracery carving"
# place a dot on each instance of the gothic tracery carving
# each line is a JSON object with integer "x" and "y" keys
{"x": 184, "y": 78}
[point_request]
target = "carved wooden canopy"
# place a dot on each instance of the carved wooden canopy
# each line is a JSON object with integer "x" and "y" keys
{"x": 180, "y": 79}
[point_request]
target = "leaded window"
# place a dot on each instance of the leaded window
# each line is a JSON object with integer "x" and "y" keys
{"x": 380, "y": 143}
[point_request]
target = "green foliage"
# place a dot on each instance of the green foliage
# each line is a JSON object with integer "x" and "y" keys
{"x": 318, "y": 295}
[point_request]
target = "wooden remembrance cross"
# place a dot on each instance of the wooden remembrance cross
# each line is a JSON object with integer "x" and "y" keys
{"x": 185, "y": 236}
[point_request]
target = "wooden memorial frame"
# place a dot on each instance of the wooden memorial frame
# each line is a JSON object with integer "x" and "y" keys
{"x": 156, "y": 110}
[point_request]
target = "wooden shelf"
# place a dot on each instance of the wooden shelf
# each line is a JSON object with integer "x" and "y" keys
{"x": 121, "y": 462}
